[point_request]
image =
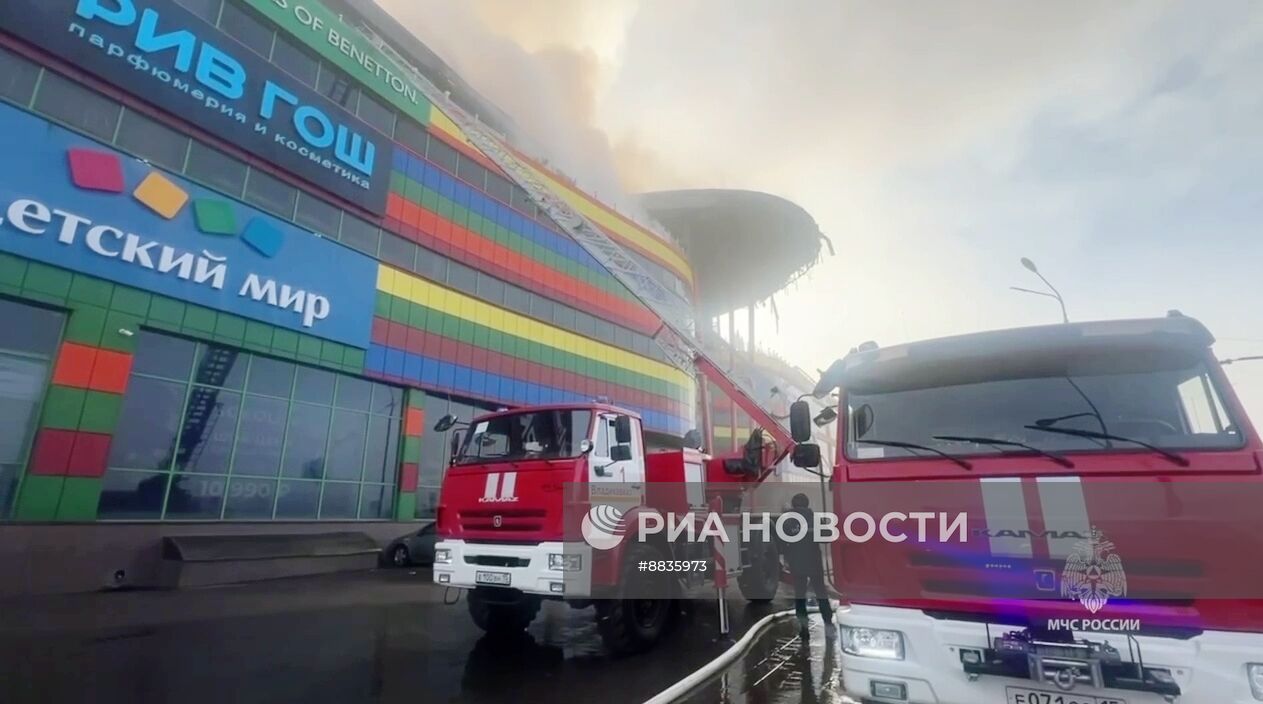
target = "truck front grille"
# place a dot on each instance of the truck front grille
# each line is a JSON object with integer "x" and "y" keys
{"x": 497, "y": 561}
{"x": 510, "y": 519}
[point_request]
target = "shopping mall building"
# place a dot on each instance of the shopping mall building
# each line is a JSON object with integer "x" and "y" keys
{"x": 245, "y": 263}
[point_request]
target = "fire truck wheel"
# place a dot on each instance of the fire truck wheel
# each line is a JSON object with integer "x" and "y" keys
{"x": 633, "y": 625}
{"x": 501, "y": 617}
{"x": 760, "y": 579}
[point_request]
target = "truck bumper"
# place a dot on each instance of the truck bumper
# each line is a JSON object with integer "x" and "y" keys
{"x": 1209, "y": 668}
{"x": 526, "y": 566}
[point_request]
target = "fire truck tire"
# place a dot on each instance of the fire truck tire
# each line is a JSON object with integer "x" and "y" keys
{"x": 760, "y": 579}
{"x": 630, "y": 626}
{"x": 500, "y": 618}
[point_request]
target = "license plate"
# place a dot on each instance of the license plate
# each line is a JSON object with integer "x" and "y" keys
{"x": 1020, "y": 695}
{"x": 500, "y": 579}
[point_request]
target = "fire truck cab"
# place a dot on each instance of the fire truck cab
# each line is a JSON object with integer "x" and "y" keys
{"x": 502, "y": 516}
{"x": 499, "y": 516}
{"x": 1077, "y": 450}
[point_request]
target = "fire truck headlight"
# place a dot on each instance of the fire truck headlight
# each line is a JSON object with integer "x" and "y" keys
{"x": 1254, "y": 671}
{"x": 442, "y": 556}
{"x": 562, "y": 562}
{"x": 872, "y": 643}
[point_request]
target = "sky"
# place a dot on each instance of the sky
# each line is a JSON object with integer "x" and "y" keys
{"x": 1118, "y": 145}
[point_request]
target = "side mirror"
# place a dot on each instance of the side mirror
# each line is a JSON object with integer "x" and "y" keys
{"x": 825, "y": 417}
{"x": 863, "y": 419}
{"x": 800, "y": 421}
{"x": 806, "y": 456}
{"x": 585, "y": 446}
{"x": 619, "y": 453}
{"x": 693, "y": 439}
{"x": 454, "y": 446}
{"x": 622, "y": 429}
{"x": 445, "y": 423}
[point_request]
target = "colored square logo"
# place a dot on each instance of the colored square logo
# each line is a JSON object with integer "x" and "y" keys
{"x": 264, "y": 238}
{"x": 215, "y": 217}
{"x": 161, "y": 195}
{"x": 96, "y": 171}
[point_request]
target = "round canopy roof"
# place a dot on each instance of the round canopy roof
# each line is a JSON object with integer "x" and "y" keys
{"x": 744, "y": 246}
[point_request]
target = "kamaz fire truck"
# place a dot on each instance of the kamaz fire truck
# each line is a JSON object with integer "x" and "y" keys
{"x": 1112, "y": 484}
{"x": 515, "y": 473}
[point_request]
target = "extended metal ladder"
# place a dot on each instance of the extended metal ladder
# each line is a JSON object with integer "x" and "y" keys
{"x": 676, "y": 335}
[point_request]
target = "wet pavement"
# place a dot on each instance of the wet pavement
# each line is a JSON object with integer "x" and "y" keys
{"x": 384, "y": 636}
{"x": 781, "y": 667}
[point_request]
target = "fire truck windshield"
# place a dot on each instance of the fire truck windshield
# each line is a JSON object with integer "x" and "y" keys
{"x": 1075, "y": 410}
{"x": 550, "y": 434}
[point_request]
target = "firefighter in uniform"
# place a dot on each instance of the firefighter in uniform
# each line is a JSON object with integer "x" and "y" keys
{"x": 806, "y": 566}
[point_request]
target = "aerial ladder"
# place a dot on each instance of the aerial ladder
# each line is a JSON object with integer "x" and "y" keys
{"x": 676, "y": 331}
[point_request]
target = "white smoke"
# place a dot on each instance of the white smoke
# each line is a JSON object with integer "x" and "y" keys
{"x": 530, "y": 60}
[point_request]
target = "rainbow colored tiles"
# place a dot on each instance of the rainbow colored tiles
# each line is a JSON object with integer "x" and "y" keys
{"x": 94, "y": 170}
{"x": 426, "y": 335}
{"x": 439, "y": 211}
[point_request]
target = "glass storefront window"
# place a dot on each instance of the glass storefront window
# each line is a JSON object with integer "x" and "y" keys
{"x": 222, "y": 367}
{"x": 340, "y": 500}
{"x": 314, "y": 386}
{"x": 146, "y": 439}
{"x": 163, "y": 356}
{"x": 209, "y": 432}
{"x": 193, "y": 497}
{"x": 382, "y": 450}
{"x": 250, "y": 498}
{"x": 434, "y": 449}
{"x": 376, "y": 500}
{"x": 260, "y": 438}
{"x": 271, "y": 377}
{"x": 297, "y": 499}
{"x": 305, "y": 441}
{"x": 387, "y": 400}
{"x": 348, "y": 436}
{"x": 26, "y": 353}
{"x": 132, "y": 495}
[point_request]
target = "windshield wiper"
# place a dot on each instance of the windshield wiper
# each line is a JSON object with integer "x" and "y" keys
{"x": 913, "y": 446}
{"x": 1049, "y": 422}
{"x": 1059, "y": 459}
{"x": 1167, "y": 454}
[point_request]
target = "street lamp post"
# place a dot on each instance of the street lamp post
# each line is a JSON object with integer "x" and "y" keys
{"x": 1030, "y": 266}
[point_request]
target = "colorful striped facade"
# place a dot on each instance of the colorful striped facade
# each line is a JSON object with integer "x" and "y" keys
{"x": 424, "y": 335}
{"x": 437, "y": 338}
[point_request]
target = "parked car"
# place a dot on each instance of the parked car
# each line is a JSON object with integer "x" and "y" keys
{"x": 412, "y": 549}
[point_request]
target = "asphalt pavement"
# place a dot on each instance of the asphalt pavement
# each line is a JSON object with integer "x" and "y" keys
{"x": 383, "y": 636}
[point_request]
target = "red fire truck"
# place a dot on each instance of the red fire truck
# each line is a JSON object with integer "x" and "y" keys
{"x": 1111, "y": 481}
{"x": 513, "y": 475}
